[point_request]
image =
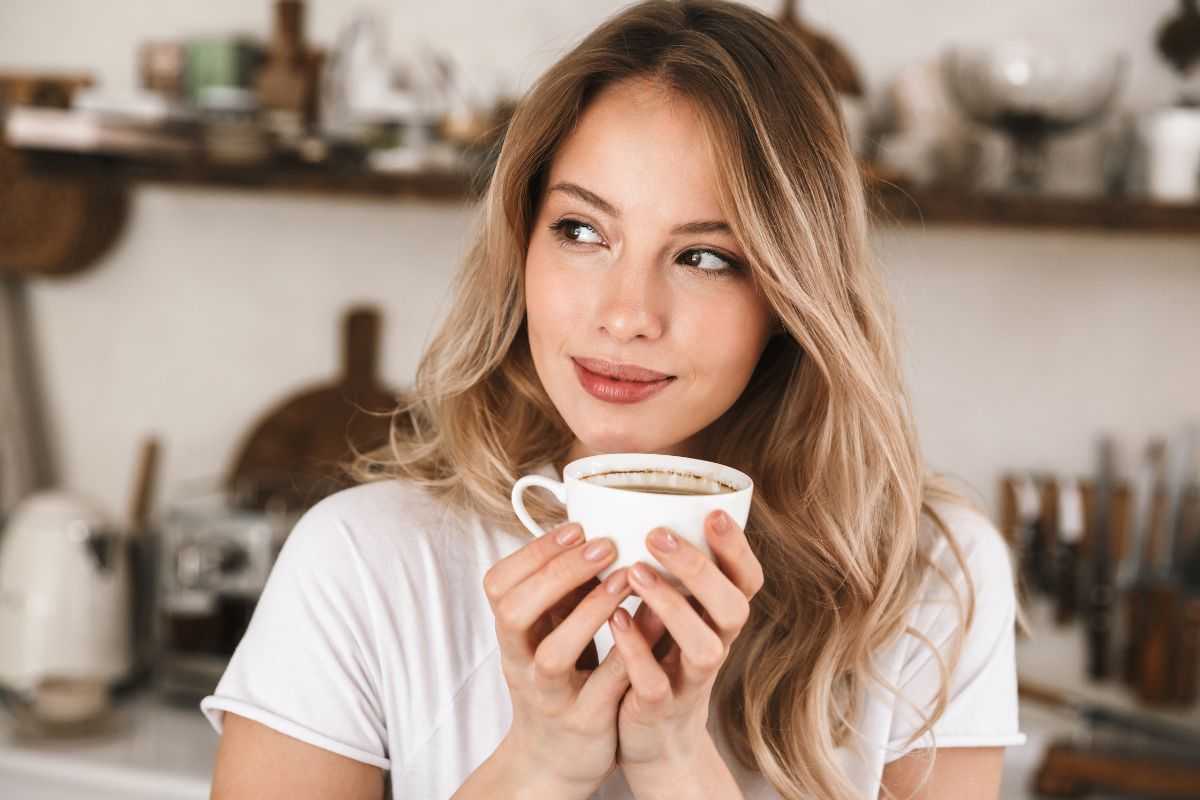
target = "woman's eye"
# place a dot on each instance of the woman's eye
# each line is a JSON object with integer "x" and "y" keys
{"x": 569, "y": 230}
{"x": 708, "y": 261}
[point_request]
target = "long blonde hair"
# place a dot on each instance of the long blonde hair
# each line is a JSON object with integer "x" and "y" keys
{"x": 824, "y": 425}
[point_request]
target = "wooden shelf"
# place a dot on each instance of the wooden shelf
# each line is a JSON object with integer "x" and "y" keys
{"x": 893, "y": 202}
{"x": 923, "y": 206}
{"x": 343, "y": 180}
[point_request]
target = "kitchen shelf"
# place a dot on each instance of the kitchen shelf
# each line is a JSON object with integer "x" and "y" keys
{"x": 915, "y": 206}
{"x": 894, "y": 203}
{"x": 298, "y": 177}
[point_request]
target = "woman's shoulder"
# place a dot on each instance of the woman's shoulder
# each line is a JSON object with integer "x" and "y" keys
{"x": 367, "y": 515}
{"x": 376, "y": 506}
{"x": 393, "y": 526}
{"x": 962, "y": 541}
{"x": 968, "y": 574}
{"x": 958, "y": 645}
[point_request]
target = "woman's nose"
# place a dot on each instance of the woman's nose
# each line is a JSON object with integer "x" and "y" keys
{"x": 632, "y": 303}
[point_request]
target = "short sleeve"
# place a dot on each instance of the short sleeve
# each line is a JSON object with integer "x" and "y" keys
{"x": 307, "y": 665}
{"x": 981, "y": 703}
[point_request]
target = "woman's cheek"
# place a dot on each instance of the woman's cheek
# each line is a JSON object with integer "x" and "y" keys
{"x": 564, "y": 296}
{"x": 553, "y": 301}
{"x": 729, "y": 338}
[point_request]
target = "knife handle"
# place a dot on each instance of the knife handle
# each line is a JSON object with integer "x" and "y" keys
{"x": 1067, "y": 585}
{"x": 1135, "y": 603}
{"x": 1099, "y": 630}
{"x": 1071, "y": 529}
{"x": 1188, "y": 653}
{"x": 1157, "y": 661}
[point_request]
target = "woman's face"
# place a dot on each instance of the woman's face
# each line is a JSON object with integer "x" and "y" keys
{"x": 631, "y": 262}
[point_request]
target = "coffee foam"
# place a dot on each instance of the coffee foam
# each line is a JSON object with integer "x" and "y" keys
{"x": 664, "y": 478}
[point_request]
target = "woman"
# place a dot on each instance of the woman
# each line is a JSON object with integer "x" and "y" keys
{"x": 675, "y": 201}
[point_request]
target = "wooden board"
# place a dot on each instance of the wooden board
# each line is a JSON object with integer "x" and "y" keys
{"x": 49, "y": 226}
{"x": 292, "y": 456}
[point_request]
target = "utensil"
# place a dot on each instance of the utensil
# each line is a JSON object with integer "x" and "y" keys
{"x": 291, "y": 456}
{"x": 1101, "y": 593}
{"x": 1115, "y": 772}
{"x": 1135, "y": 576}
{"x": 65, "y": 619}
{"x": 1099, "y": 715}
{"x": 1029, "y": 531}
{"x": 1031, "y": 92}
{"x": 599, "y": 493}
{"x": 213, "y": 566}
{"x": 1070, "y": 534}
{"x": 607, "y": 494}
{"x": 50, "y": 227}
{"x": 142, "y": 543}
{"x": 1186, "y": 512}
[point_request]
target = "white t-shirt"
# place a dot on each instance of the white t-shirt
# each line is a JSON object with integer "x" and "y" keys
{"x": 373, "y": 639}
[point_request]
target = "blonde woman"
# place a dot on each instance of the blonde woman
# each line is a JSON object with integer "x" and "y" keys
{"x": 671, "y": 257}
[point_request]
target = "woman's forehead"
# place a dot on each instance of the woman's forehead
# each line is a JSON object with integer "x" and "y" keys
{"x": 644, "y": 149}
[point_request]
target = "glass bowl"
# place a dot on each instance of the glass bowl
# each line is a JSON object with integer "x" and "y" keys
{"x": 1032, "y": 92}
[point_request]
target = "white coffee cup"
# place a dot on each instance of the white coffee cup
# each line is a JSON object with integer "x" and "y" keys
{"x": 625, "y": 515}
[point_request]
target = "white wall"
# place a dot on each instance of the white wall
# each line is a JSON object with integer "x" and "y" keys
{"x": 1022, "y": 346}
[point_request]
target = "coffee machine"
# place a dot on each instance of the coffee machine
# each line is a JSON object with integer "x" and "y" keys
{"x": 214, "y": 563}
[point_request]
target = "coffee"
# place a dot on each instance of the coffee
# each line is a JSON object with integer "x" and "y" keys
{"x": 657, "y": 489}
{"x": 659, "y": 481}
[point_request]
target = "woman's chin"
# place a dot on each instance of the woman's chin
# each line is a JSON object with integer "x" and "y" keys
{"x": 626, "y": 442}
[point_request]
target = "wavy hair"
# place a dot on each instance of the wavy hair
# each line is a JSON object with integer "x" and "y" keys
{"x": 824, "y": 424}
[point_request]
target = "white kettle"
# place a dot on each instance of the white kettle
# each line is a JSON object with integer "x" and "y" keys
{"x": 65, "y": 624}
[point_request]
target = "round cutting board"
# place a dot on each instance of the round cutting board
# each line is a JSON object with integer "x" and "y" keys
{"x": 292, "y": 456}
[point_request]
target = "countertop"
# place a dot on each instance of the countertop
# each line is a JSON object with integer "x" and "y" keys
{"x": 154, "y": 750}
{"x": 1054, "y": 657}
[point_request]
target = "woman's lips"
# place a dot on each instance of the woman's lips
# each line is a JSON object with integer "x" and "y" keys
{"x": 624, "y": 372}
{"x": 612, "y": 390}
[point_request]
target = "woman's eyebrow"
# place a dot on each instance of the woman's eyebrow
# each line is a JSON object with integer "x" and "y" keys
{"x": 593, "y": 199}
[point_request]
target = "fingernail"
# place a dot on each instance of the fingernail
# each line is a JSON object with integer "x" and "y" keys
{"x": 570, "y": 534}
{"x": 620, "y": 619}
{"x": 597, "y": 550}
{"x": 616, "y": 582}
{"x": 643, "y": 575}
{"x": 663, "y": 539}
{"x": 720, "y": 522}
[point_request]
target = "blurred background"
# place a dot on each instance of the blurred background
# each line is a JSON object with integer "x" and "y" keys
{"x": 228, "y": 229}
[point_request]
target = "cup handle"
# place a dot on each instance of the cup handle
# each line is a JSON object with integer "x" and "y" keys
{"x": 518, "y": 501}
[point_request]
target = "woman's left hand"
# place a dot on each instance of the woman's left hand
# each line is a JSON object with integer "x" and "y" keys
{"x": 662, "y": 722}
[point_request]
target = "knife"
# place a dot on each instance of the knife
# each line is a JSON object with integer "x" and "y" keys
{"x": 1136, "y": 573}
{"x": 1100, "y": 715}
{"x": 1066, "y": 562}
{"x": 1100, "y": 578}
{"x": 1131, "y": 567}
{"x": 1183, "y": 518}
{"x": 1029, "y": 538}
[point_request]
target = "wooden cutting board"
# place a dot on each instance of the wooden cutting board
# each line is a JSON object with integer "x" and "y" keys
{"x": 52, "y": 227}
{"x": 290, "y": 459}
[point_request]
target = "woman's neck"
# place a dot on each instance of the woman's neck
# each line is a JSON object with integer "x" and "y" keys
{"x": 693, "y": 447}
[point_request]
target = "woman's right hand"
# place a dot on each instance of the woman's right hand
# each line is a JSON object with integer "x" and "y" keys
{"x": 564, "y": 727}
